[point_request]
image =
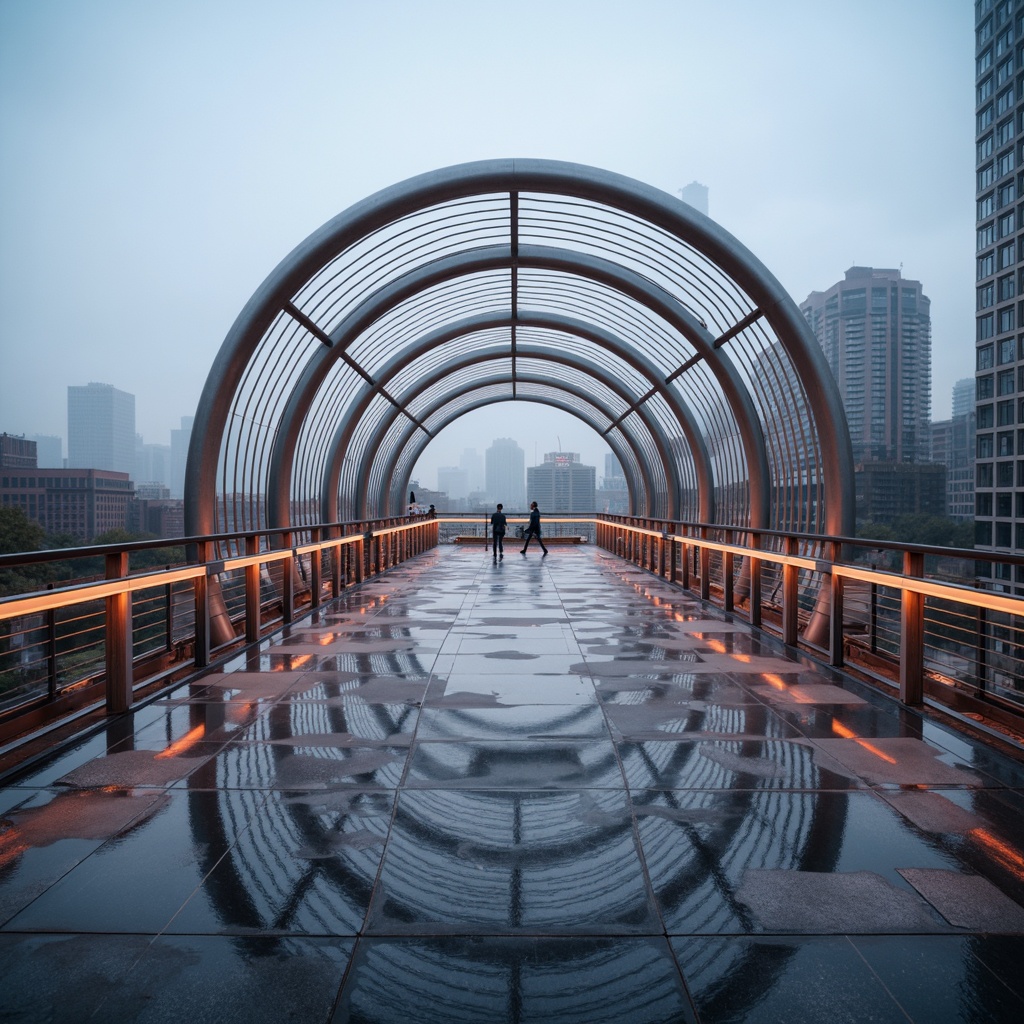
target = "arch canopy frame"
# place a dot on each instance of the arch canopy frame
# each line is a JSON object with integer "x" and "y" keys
{"x": 389, "y": 321}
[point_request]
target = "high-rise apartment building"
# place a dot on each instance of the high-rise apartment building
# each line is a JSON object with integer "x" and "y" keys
{"x": 101, "y": 428}
{"x": 875, "y": 329}
{"x": 180, "y": 439}
{"x": 562, "y": 484}
{"x": 999, "y": 349}
{"x": 505, "y": 469}
{"x": 953, "y": 444}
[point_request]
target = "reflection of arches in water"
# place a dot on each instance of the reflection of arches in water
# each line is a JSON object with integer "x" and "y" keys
{"x": 519, "y": 839}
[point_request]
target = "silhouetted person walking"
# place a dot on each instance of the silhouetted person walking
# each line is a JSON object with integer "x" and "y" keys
{"x": 498, "y": 525}
{"x": 533, "y": 530}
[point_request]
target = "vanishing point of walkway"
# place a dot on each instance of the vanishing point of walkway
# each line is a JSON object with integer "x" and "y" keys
{"x": 552, "y": 790}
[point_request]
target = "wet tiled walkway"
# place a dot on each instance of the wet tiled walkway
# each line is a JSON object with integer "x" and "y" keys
{"x": 550, "y": 790}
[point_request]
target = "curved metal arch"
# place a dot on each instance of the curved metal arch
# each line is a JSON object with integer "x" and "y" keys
{"x": 509, "y": 177}
{"x": 490, "y": 355}
{"x": 416, "y": 447}
{"x": 343, "y": 435}
{"x": 621, "y": 279}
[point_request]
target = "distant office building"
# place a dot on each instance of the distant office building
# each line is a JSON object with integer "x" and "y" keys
{"x": 696, "y": 195}
{"x": 953, "y": 446}
{"x": 160, "y": 516}
{"x": 180, "y": 439}
{"x": 17, "y": 452}
{"x": 562, "y": 484}
{"x": 82, "y": 502}
{"x": 453, "y": 481}
{"x": 152, "y": 462}
{"x": 505, "y": 469}
{"x": 875, "y": 329}
{"x": 473, "y": 464}
{"x": 613, "y": 495}
{"x": 963, "y": 397}
{"x": 49, "y": 451}
{"x": 888, "y": 490}
{"x": 101, "y": 428}
{"x": 999, "y": 264}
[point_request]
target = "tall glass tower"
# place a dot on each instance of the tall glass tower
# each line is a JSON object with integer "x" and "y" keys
{"x": 505, "y": 468}
{"x": 101, "y": 428}
{"x": 999, "y": 348}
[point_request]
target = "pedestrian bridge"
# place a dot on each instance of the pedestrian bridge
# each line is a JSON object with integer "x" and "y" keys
{"x": 721, "y": 762}
{"x": 547, "y": 789}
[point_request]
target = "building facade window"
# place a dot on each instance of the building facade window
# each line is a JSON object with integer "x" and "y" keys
{"x": 986, "y": 417}
{"x": 986, "y": 265}
{"x": 1007, "y": 348}
{"x": 985, "y": 446}
{"x": 1007, "y": 255}
{"x": 986, "y": 295}
{"x": 1007, "y": 287}
{"x": 1004, "y": 382}
{"x": 1007, "y": 321}
{"x": 1004, "y": 474}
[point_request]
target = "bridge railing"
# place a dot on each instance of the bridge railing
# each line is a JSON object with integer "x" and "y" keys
{"x": 104, "y": 636}
{"x": 908, "y": 615}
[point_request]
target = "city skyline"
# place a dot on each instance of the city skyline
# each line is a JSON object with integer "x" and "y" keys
{"x": 180, "y": 209}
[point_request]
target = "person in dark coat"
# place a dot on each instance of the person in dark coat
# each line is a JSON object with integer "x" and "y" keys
{"x": 533, "y": 530}
{"x": 498, "y": 526}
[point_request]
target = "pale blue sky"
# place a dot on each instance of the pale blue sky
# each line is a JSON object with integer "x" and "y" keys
{"x": 158, "y": 159}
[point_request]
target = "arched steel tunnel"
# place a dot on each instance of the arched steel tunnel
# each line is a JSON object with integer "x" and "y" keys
{"x": 520, "y": 280}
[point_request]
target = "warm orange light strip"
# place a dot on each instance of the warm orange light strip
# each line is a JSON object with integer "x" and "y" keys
{"x": 189, "y": 740}
{"x": 1006, "y": 855}
{"x": 849, "y": 734}
{"x": 780, "y": 684}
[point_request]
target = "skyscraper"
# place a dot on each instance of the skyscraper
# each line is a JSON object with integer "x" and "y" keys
{"x": 875, "y": 329}
{"x": 562, "y": 483}
{"x": 505, "y": 468}
{"x": 999, "y": 351}
{"x": 179, "y": 456}
{"x": 101, "y": 428}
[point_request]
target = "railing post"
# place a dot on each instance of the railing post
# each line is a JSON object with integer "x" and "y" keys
{"x": 287, "y": 580}
{"x": 252, "y": 593}
{"x": 315, "y": 569}
{"x": 335, "y": 566}
{"x": 118, "y": 638}
{"x": 168, "y": 617}
{"x": 912, "y": 634}
{"x": 705, "y": 567}
{"x": 755, "y": 582}
{"x": 51, "y": 650}
{"x": 836, "y": 636}
{"x": 727, "y": 571}
{"x": 673, "y": 553}
{"x": 201, "y": 591}
{"x": 790, "y": 596}
{"x": 981, "y": 651}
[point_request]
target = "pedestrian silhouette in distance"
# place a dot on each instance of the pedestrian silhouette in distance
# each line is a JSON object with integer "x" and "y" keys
{"x": 498, "y": 526}
{"x": 533, "y": 530}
